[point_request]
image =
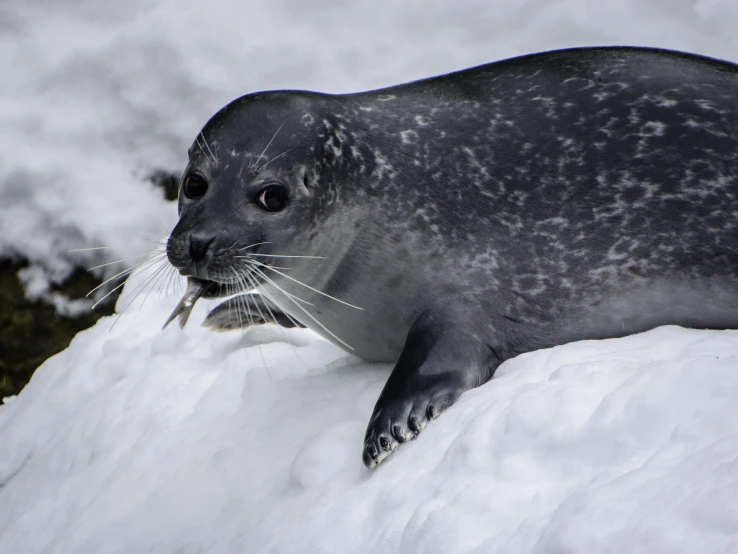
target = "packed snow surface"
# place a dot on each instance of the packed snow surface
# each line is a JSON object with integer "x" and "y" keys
{"x": 136, "y": 440}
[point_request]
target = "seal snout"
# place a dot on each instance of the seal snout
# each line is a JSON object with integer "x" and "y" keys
{"x": 199, "y": 249}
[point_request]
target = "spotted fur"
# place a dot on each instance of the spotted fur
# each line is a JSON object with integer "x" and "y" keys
{"x": 583, "y": 193}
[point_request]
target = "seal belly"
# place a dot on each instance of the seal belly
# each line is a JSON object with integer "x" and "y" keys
{"x": 704, "y": 304}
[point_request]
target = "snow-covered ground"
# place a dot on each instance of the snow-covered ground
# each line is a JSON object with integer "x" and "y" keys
{"x": 136, "y": 440}
{"x": 133, "y": 440}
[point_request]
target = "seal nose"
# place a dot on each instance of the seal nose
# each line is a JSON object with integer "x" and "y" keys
{"x": 199, "y": 247}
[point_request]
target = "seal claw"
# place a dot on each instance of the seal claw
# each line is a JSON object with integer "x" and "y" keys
{"x": 402, "y": 420}
{"x": 415, "y": 425}
{"x": 401, "y": 435}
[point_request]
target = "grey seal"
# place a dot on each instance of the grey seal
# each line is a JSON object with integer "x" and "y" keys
{"x": 449, "y": 224}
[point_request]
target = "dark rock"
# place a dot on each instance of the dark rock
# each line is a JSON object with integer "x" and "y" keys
{"x": 167, "y": 181}
{"x": 32, "y": 331}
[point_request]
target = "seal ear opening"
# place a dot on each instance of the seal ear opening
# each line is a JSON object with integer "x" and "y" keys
{"x": 309, "y": 180}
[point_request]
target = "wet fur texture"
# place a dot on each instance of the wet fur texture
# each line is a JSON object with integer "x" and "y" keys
{"x": 574, "y": 194}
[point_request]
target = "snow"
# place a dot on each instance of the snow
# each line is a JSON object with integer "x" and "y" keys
{"x": 138, "y": 440}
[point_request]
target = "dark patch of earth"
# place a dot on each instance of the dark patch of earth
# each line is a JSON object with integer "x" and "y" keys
{"x": 32, "y": 331}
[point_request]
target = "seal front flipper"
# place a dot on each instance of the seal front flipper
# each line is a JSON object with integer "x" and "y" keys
{"x": 443, "y": 357}
{"x": 246, "y": 310}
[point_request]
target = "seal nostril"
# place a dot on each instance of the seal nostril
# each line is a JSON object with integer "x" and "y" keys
{"x": 199, "y": 247}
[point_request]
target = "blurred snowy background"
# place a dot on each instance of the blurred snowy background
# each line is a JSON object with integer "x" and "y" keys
{"x": 97, "y": 95}
{"x": 135, "y": 441}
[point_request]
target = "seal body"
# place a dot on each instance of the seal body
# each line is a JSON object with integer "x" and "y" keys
{"x": 452, "y": 223}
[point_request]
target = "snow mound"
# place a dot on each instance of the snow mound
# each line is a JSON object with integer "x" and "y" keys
{"x": 137, "y": 440}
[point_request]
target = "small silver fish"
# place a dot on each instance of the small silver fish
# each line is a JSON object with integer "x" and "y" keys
{"x": 195, "y": 289}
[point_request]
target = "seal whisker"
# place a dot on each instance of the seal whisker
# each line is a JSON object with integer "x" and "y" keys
{"x": 235, "y": 242}
{"x": 173, "y": 282}
{"x": 239, "y": 313}
{"x": 121, "y": 285}
{"x": 244, "y": 303}
{"x": 266, "y": 163}
{"x": 88, "y": 249}
{"x": 137, "y": 291}
{"x": 251, "y": 266}
{"x": 215, "y": 159}
{"x": 267, "y": 301}
{"x": 143, "y": 265}
{"x": 283, "y": 256}
{"x": 108, "y": 294}
{"x": 306, "y": 286}
{"x": 106, "y": 265}
{"x": 156, "y": 272}
{"x": 267, "y": 146}
{"x": 197, "y": 140}
{"x": 251, "y": 322}
{"x": 247, "y": 277}
{"x": 166, "y": 284}
{"x": 269, "y": 265}
{"x": 159, "y": 256}
{"x": 202, "y": 149}
{"x": 158, "y": 282}
{"x": 243, "y": 284}
{"x": 252, "y": 245}
{"x": 288, "y": 316}
{"x": 289, "y": 297}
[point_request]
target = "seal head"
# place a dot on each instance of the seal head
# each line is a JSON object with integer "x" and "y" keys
{"x": 250, "y": 183}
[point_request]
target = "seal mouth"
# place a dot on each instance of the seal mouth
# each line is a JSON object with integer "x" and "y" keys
{"x": 243, "y": 274}
{"x": 233, "y": 270}
{"x": 228, "y": 283}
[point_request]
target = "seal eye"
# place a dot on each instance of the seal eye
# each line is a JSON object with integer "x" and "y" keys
{"x": 194, "y": 187}
{"x": 273, "y": 198}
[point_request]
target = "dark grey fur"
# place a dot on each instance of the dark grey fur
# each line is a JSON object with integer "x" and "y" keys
{"x": 575, "y": 194}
